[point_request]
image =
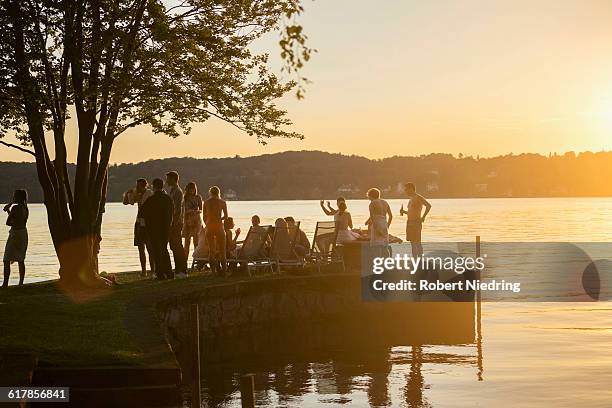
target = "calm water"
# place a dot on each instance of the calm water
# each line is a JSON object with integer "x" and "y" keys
{"x": 530, "y": 354}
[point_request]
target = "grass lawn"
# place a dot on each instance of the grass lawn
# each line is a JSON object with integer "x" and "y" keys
{"x": 103, "y": 327}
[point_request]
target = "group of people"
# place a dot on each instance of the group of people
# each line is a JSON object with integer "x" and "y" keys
{"x": 380, "y": 219}
{"x": 167, "y": 216}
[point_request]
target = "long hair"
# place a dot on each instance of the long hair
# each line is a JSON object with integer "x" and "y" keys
{"x": 188, "y": 187}
{"x": 21, "y": 196}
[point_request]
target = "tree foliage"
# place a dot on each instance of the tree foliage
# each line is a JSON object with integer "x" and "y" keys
{"x": 119, "y": 64}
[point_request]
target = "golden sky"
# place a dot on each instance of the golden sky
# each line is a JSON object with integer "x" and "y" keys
{"x": 400, "y": 77}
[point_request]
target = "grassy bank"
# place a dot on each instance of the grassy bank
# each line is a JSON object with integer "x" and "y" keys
{"x": 108, "y": 326}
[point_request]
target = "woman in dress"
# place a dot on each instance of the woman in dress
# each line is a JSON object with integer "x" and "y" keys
{"x": 344, "y": 225}
{"x": 17, "y": 242}
{"x": 192, "y": 223}
{"x": 380, "y": 218}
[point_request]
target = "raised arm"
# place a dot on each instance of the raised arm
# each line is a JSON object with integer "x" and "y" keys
{"x": 325, "y": 210}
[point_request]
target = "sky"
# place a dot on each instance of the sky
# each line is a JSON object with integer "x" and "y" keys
{"x": 403, "y": 77}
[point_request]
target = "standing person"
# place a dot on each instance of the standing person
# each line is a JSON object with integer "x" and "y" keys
{"x": 157, "y": 212}
{"x": 380, "y": 218}
{"x": 416, "y": 218}
{"x": 176, "y": 229}
{"x": 215, "y": 212}
{"x": 17, "y": 242}
{"x": 192, "y": 224}
{"x": 331, "y": 210}
{"x": 344, "y": 225}
{"x": 138, "y": 196}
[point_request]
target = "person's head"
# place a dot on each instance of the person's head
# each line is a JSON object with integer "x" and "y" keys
{"x": 141, "y": 184}
{"x": 340, "y": 200}
{"x": 410, "y": 188}
{"x": 228, "y": 224}
{"x": 280, "y": 223}
{"x": 214, "y": 191}
{"x": 172, "y": 178}
{"x": 158, "y": 184}
{"x": 255, "y": 220}
{"x": 191, "y": 189}
{"x": 290, "y": 221}
{"x": 20, "y": 196}
{"x": 373, "y": 194}
{"x": 342, "y": 206}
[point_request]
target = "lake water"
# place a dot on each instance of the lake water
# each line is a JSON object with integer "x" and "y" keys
{"x": 529, "y": 355}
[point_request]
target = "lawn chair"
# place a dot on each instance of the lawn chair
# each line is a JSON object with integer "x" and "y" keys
{"x": 201, "y": 254}
{"x": 252, "y": 253}
{"x": 324, "y": 250}
{"x": 282, "y": 253}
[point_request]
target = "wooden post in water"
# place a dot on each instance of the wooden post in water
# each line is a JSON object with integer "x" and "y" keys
{"x": 195, "y": 358}
{"x": 479, "y": 317}
{"x": 247, "y": 391}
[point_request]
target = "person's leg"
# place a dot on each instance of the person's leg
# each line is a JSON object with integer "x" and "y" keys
{"x": 21, "y": 272}
{"x": 222, "y": 249}
{"x": 155, "y": 244}
{"x": 186, "y": 242}
{"x": 165, "y": 260}
{"x": 143, "y": 259}
{"x": 178, "y": 252}
{"x": 150, "y": 252}
{"x": 7, "y": 273}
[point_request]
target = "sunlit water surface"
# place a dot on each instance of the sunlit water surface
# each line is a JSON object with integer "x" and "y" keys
{"x": 531, "y": 354}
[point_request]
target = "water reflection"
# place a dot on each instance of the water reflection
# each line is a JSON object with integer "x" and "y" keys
{"x": 343, "y": 362}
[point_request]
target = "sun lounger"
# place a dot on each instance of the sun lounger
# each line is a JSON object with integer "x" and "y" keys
{"x": 324, "y": 245}
{"x": 282, "y": 253}
{"x": 252, "y": 253}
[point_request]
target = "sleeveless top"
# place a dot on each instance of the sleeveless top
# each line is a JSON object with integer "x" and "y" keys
{"x": 18, "y": 217}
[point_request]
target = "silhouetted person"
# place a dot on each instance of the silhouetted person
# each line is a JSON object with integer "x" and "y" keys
{"x": 157, "y": 212}
{"x": 416, "y": 218}
{"x": 215, "y": 212}
{"x": 17, "y": 242}
{"x": 175, "y": 239}
{"x": 380, "y": 218}
{"x": 138, "y": 196}
{"x": 301, "y": 244}
{"x": 192, "y": 204}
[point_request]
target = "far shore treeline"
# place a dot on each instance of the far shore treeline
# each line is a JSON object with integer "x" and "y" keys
{"x": 316, "y": 175}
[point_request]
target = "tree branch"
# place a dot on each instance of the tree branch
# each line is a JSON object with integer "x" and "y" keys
{"x": 18, "y": 148}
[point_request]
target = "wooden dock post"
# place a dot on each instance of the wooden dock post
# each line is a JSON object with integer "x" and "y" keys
{"x": 196, "y": 397}
{"x": 479, "y": 317}
{"x": 247, "y": 391}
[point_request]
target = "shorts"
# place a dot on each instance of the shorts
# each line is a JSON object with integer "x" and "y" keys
{"x": 413, "y": 231}
{"x": 140, "y": 234}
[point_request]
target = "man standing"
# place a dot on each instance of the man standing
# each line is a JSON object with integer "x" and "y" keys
{"x": 215, "y": 213}
{"x": 416, "y": 217}
{"x": 138, "y": 196}
{"x": 157, "y": 214}
{"x": 176, "y": 245}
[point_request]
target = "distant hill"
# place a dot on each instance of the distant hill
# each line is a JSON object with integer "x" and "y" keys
{"x": 315, "y": 175}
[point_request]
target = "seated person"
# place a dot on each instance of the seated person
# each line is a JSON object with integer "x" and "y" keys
{"x": 231, "y": 245}
{"x": 202, "y": 250}
{"x": 301, "y": 244}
